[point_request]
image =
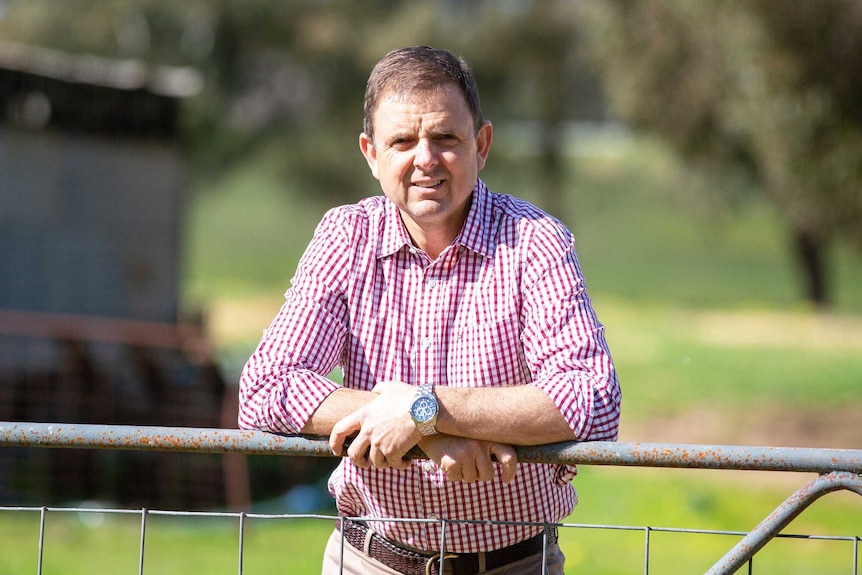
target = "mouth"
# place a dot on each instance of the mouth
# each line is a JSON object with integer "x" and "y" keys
{"x": 427, "y": 184}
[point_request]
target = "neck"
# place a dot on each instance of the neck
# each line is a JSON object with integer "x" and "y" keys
{"x": 432, "y": 242}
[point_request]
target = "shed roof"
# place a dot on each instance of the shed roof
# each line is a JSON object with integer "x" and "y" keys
{"x": 120, "y": 74}
{"x": 42, "y": 88}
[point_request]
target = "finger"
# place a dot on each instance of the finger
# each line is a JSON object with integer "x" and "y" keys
{"x": 397, "y": 460}
{"x": 378, "y": 458}
{"x": 484, "y": 468}
{"x": 341, "y": 431}
{"x": 358, "y": 451}
{"x": 452, "y": 468}
{"x": 469, "y": 473}
{"x": 507, "y": 458}
{"x": 398, "y": 463}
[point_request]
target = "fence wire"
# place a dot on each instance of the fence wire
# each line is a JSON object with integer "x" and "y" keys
{"x": 241, "y": 520}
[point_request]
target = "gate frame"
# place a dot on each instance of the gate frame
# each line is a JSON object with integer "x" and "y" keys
{"x": 838, "y": 469}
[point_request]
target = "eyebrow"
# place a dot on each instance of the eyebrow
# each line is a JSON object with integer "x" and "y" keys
{"x": 432, "y": 131}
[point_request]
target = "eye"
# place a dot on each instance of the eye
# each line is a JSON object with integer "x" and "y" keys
{"x": 400, "y": 143}
{"x": 446, "y": 139}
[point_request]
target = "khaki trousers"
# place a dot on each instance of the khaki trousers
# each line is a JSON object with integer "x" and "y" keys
{"x": 358, "y": 563}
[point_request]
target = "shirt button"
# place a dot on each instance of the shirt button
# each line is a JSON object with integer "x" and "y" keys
{"x": 426, "y": 343}
{"x": 428, "y": 467}
{"x": 432, "y": 283}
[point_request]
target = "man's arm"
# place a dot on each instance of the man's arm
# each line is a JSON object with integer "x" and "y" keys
{"x": 518, "y": 415}
{"x": 337, "y": 405}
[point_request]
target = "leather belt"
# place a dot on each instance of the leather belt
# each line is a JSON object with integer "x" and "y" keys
{"x": 413, "y": 563}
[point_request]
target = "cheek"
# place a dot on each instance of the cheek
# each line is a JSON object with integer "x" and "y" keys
{"x": 393, "y": 168}
{"x": 465, "y": 163}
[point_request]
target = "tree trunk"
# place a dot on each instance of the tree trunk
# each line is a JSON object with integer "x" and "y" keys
{"x": 552, "y": 172}
{"x": 811, "y": 256}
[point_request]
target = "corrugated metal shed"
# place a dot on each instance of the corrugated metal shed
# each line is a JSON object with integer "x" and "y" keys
{"x": 91, "y": 198}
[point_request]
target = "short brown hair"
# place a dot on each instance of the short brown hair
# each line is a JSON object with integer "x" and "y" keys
{"x": 418, "y": 68}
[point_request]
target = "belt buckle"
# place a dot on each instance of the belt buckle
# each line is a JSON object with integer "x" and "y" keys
{"x": 437, "y": 557}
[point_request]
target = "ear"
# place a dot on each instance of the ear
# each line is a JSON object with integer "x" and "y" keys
{"x": 483, "y": 144}
{"x": 366, "y": 145}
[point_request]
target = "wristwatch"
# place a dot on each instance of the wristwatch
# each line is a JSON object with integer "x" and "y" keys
{"x": 424, "y": 408}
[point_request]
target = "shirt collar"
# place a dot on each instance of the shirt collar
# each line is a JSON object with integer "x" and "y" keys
{"x": 394, "y": 235}
{"x": 476, "y": 234}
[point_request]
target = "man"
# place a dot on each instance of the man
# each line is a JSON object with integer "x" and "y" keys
{"x": 461, "y": 323}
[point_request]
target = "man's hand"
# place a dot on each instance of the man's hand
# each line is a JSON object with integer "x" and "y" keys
{"x": 384, "y": 430}
{"x": 470, "y": 460}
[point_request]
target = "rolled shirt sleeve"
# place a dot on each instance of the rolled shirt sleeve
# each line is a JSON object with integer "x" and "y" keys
{"x": 284, "y": 381}
{"x": 564, "y": 343}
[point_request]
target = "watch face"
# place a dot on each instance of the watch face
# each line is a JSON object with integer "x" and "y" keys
{"x": 423, "y": 409}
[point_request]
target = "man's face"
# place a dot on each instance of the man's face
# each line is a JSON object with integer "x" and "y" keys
{"x": 427, "y": 156}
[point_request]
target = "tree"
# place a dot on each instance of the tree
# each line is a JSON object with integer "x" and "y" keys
{"x": 284, "y": 79}
{"x": 765, "y": 88}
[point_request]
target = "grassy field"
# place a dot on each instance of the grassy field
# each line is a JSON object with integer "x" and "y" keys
{"x": 712, "y": 343}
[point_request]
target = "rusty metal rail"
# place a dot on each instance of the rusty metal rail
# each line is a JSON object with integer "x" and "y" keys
{"x": 210, "y": 440}
{"x": 838, "y": 469}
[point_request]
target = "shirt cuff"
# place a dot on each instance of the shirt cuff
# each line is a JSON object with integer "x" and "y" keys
{"x": 306, "y": 391}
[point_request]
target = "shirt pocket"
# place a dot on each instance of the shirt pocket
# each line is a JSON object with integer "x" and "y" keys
{"x": 488, "y": 354}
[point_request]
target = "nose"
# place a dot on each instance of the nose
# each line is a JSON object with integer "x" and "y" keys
{"x": 425, "y": 154}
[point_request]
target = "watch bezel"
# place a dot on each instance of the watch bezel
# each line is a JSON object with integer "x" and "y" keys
{"x": 416, "y": 408}
{"x": 424, "y": 403}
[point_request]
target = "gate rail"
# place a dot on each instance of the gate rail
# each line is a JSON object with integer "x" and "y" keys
{"x": 838, "y": 469}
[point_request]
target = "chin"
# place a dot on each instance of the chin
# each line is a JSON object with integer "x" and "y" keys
{"x": 427, "y": 210}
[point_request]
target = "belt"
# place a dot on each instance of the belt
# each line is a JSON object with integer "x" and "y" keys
{"x": 413, "y": 563}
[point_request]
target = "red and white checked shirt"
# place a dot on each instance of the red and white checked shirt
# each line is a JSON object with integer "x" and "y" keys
{"x": 504, "y": 305}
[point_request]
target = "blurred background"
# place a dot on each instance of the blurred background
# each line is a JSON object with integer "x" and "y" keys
{"x": 165, "y": 163}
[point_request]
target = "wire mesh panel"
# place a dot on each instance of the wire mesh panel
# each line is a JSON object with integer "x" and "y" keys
{"x": 90, "y": 540}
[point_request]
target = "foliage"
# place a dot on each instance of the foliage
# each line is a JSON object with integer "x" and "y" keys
{"x": 293, "y": 73}
{"x": 765, "y": 89}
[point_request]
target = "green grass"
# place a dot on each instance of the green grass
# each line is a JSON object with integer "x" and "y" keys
{"x": 172, "y": 545}
{"x": 696, "y": 499}
{"x": 244, "y": 237}
{"x": 673, "y": 359}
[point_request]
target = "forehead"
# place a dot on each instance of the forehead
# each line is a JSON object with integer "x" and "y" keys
{"x": 441, "y": 107}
